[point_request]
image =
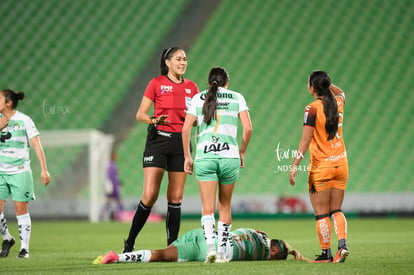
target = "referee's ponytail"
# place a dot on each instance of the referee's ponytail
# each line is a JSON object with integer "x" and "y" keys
{"x": 13, "y": 96}
{"x": 218, "y": 77}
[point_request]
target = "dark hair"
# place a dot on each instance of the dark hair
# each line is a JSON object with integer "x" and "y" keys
{"x": 167, "y": 54}
{"x": 218, "y": 77}
{"x": 285, "y": 250}
{"x": 12, "y": 96}
{"x": 321, "y": 81}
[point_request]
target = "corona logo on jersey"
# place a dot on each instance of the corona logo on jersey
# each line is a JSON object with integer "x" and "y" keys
{"x": 216, "y": 146}
{"x": 219, "y": 95}
{"x": 166, "y": 89}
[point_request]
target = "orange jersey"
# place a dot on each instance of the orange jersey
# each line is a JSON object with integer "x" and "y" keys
{"x": 324, "y": 152}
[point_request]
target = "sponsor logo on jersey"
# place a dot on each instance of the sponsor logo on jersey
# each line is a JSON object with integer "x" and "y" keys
{"x": 5, "y": 136}
{"x": 166, "y": 89}
{"x": 187, "y": 102}
{"x": 305, "y": 117}
{"x": 216, "y": 146}
{"x": 188, "y": 91}
{"x": 338, "y": 157}
{"x": 17, "y": 127}
{"x": 223, "y": 105}
{"x": 306, "y": 114}
{"x": 219, "y": 95}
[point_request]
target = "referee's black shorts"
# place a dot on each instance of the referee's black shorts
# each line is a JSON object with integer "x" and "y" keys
{"x": 164, "y": 150}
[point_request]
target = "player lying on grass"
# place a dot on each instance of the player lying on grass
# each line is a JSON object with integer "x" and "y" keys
{"x": 246, "y": 243}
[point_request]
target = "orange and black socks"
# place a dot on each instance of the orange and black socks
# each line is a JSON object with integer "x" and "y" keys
{"x": 340, "y": 227}
{"x": 323, "y": 230}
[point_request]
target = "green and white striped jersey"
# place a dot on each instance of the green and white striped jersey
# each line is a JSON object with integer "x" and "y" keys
{"x": 219, "y": 139}
{"x": 14, "y": 144}
{"x": 249, "y": 244}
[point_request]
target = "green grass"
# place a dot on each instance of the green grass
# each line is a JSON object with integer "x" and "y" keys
{"x": 378, "y": 246}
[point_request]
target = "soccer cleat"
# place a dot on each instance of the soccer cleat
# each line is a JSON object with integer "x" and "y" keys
{"x": 221, "y": 260}
{"x": 127, "y": 247}
{"x": 98, "y": 259}
{"x": 24, "y": 254}
{"x": 341, "y": 255}
{"x": 5, "y": 247}
{"x": 211, "y": 257}
{"x": 322, "y": 259}
{"x": 109, "y": 258}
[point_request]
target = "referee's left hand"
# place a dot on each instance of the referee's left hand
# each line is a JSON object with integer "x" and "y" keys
{"x": 162, "y": 119}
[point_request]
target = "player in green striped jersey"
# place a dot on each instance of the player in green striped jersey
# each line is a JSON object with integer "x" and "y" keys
{"x": 219, "y": 156}
{"x": 247, "y": 244}
{"x": 18, "y": 132}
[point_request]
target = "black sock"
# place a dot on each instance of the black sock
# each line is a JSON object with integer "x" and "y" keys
{"x": 140, "y": 218}
{"x": 173, "y": 221}
{"x": 342, "y": 243}
{"x": 327, "y": 253}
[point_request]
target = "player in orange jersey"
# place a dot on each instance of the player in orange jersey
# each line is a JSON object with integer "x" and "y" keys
{"x": 328, "y": 175}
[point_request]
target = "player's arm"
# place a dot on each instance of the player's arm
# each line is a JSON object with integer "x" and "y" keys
{"x": 337, "y": 92}
{"x": 143, "y": 116}
{"x": 186, "y": 133}
{"x": 262, "y": 232}
{"x": 246, "y": 135}
{"x": 37, "y": 146}
{"x": 3, "y": 122}
{"x": 303, "y": 147}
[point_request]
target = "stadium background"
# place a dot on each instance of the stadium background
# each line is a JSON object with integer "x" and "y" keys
{"x": 84, "y": 64}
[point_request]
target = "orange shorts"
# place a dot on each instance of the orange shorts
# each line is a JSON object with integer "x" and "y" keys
{"x": 324, "y": 178}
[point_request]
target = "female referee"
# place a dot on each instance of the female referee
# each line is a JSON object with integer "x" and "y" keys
{"x": 218, "y": 157}
{"x": 170, "y": 94}
{"x": 16, "y": 181}
{"x": 328, "y": 175}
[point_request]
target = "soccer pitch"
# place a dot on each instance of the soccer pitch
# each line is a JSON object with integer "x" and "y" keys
{"x": 378, "y": 246}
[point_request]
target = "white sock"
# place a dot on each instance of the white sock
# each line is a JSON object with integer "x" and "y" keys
{"x": 207, "y": 223}
{"x": 223, "y": 235}
{"x": 25, "y": 226}
{"x": 4, "y": 231}
{"x": 140, "y": 256}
